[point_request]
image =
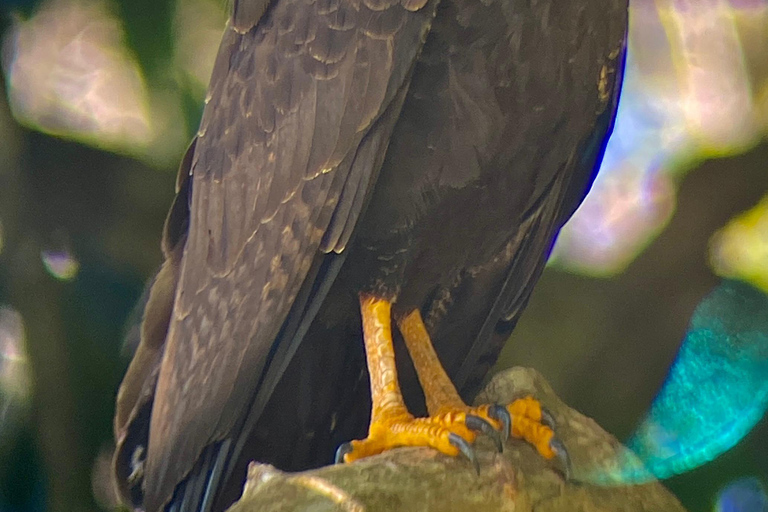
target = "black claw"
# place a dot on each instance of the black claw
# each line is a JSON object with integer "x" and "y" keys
{"x": 562, "y": 455}
{"x": 500, "y": 413}
{"x": 547, "y": 419}
{"x": 479, "y": 424}
{"x": 466, "y": 449}
{"x": 341, "y": 451}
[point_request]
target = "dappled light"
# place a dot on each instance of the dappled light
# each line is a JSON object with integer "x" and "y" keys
{"x": 695, "y": 83}
{"x": 714, "y": 394}
{"x": 740, "y": 249}
{"x": 743, "y": 495}
{"x": 60, "y": 264}
{"x": 13, "y": 370}
{"x": 15, "y": 383}
{"x": 69, "y": 74}
{"x": 199, "y": 25}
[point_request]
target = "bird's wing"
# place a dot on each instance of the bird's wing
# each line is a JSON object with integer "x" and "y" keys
{"x": 146, "y": 337}
{"x": 283, "y": 157}
{"x": 538, "y": 233}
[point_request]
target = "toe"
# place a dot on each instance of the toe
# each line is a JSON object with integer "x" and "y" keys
{"x": 526, "y": 419}
{"x": 341, "y": 453}
{"x": 561, "y": 453}
{"x": 479, "y": 424}
{"x": 501, "y": 414}
{"x": 547, "y": 418}
{"x": 466, "y": 449}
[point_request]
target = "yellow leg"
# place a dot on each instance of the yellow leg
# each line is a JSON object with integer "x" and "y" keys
{"x": 386, "y": 397}
{"x": 439, "y": 391}
{"x": 451, "y": 426}
{"x": 391, "y": 423}
{"x": 443, "y": 399}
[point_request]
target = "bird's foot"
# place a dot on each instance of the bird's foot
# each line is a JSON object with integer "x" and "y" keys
{"x": 450, "y": 432}
{"x": 453, "y": 430}
{"x": 526, "y": 419}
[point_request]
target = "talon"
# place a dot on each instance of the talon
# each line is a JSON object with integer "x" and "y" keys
{"x": 547, "y": 419}
{"x": 341, "y": 451}
{"x": 465, "y": 449}
{"x": 562, "y": 455}
{"x": 499, "y": 413}
{"x": 481, "y": 425}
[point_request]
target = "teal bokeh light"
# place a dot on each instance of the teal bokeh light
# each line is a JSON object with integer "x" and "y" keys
{"x": 715, "y": 393}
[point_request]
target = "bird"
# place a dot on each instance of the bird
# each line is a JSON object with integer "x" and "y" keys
{"x": 371, "y": 196}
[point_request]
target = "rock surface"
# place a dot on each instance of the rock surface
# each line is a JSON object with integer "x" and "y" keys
{"x": 420, "y": 479}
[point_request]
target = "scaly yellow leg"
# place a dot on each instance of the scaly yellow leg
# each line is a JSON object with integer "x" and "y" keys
{"x": 391, "y": 423}
{"x": 439, "y": 391}
{"x": 452, "y": 425}
{"x": 443, "y": 399}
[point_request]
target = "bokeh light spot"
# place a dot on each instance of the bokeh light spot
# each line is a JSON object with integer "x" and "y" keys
{"x": 198, "y": 28}
{"x": 715, "y": 393}
{"x": 689, "y": 92}
{"x": 743, "y": 495}
{"x": 15, "y": 380}
{"x": 740, "y": 249}
{"x": 13, "y": 360}
{"x": 69, "y": 73}
{"x": 60, "y": 264}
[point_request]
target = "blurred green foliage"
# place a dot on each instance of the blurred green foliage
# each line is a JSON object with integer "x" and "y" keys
{"x": 148, "y": 26}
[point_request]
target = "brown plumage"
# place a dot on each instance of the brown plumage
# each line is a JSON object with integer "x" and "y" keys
{"x": 425, "y": 151}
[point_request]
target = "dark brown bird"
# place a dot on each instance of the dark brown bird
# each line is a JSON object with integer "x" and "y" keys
{"x": 360, "y": 164}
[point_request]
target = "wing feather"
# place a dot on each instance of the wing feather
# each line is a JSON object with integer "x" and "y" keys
{"x": 538, "y": 234}
{"x": 296, "y": 87}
